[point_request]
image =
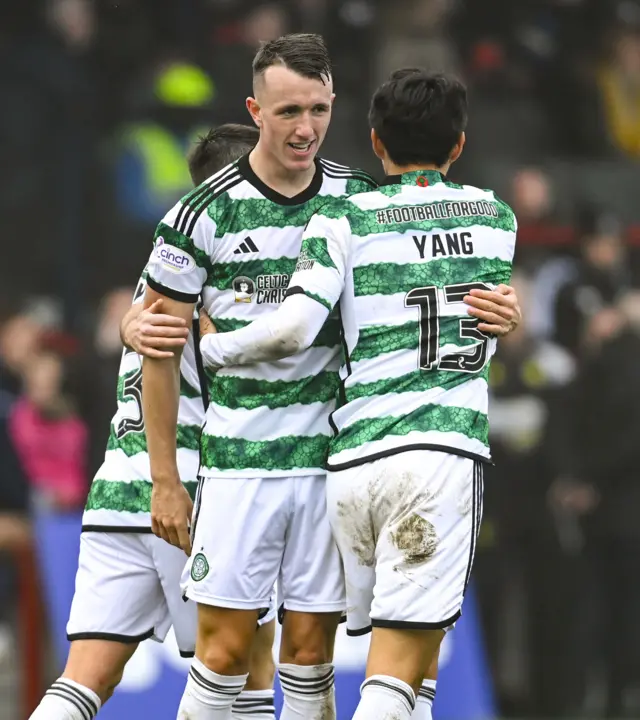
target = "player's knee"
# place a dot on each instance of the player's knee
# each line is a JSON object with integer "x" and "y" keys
{"x": 225, "y": 659}
{"x": 224, "y": 648}
{"x": 97, "y": 665}
{"x": 262, "y": 673}
{"x": 309, "y": 656}
{"x": 308, "y": 639}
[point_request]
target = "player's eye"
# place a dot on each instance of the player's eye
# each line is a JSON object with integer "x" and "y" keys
{"x": 320, "y": 109}
{"x": 289, "y": 112}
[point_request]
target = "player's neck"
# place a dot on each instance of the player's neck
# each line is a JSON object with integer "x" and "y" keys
{"x": 391, "y": 168}
{"x": 286, "y": 182}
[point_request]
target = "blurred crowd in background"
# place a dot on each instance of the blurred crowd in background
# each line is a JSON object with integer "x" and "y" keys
{"x": 101, "y": 99}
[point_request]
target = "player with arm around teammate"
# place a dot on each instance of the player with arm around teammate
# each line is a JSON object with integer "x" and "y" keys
{"x": 128, "y": 581}
{"x": 404, "y": 488}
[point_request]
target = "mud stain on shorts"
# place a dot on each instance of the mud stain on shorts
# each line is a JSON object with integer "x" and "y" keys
{"x": 356, "y": 525}
{"x": 416, "y": 539}
{"x": 389, "y": 501}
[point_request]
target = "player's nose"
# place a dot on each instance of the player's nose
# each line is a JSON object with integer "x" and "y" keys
{"x": 305, "y": 131}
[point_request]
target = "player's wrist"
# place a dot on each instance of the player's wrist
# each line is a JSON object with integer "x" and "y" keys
{"x": 166, "y": 479}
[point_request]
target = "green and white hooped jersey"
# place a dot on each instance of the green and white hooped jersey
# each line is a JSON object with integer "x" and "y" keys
{"x": 120, "y": 495}
{"x": 400, "y": 261}
{"x": 235, "y": 242}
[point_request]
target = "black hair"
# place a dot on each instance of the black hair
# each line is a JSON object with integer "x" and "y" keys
{"x": 419, "y": 116}
{"x": 304, "y": 53}
{"x": 219, "y": 147}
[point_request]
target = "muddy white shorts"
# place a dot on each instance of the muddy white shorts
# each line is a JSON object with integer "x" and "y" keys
{"x": 251, "y": 532}
{"x": 406, "y": 526}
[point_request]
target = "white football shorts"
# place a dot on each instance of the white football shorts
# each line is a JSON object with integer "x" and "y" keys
{"x": 250, "y": 533}
{"x": 406, "y": 526}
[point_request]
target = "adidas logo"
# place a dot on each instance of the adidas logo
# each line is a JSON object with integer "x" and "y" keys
{"x": 248, "y": 246}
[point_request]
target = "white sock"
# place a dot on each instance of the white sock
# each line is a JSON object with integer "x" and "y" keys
{"x": 67, "y": 700}
{"x": 254, "y": 705}
{"x": 424, "y": 701}
{"x": 383, "y": 697}
{"x": 308, "y": 691}
{"x": 209, "y": 696}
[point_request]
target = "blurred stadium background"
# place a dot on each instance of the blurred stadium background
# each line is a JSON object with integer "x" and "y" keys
{"x": 100, "y": 99}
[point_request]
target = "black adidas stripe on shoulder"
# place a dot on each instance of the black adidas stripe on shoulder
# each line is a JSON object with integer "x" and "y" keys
{"x": 197, "y": 192}
{"x": 333, "y": 170}
{"x": 206, "y": 201}
{"x": 197, "y": 201}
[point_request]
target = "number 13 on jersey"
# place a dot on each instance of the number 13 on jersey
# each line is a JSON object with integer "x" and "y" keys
{"x": 427, "y": 301}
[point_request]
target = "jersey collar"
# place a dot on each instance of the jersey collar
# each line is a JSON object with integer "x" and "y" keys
{"x": 422, "y": 178}
{"x": 245, "y": 169}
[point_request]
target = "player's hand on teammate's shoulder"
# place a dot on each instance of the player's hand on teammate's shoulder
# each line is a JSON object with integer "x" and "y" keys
{"x": 154, "y": 334}
{"x": 498, "y": 310}
{"x": 206, "y": 324}
{"x": 171, "y": 511}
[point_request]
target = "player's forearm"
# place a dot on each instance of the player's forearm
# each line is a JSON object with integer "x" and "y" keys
{"x": 288, "y": 331}
{"x": 132, "y": 314}
{"x": 160, "y": 398}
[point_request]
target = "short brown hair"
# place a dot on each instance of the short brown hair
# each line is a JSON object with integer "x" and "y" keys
{"x": 219, "y": 147}
{"x": 304, "y": 53}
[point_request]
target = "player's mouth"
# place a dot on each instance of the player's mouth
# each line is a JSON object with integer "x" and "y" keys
{"x": 302, "y": 149}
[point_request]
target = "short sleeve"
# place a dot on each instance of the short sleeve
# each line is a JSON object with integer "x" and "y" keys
{"x": 324, "y": 258}
{"x": 180, "y": 262}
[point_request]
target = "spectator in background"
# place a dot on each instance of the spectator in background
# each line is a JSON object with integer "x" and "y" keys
{"x": 522, "y": 573}
{"x": 534, "y": 200}
{"x": 601, "y": 277}
{"x": 619, "y": 87}
{"x": 49, "y": 437}
{"x": 18, "y": 338}
{"x": 20, "y": 335}
{"x": 150, "y": 173}
{"x": 604, "y": 414}
{"x": 97, "y": 372}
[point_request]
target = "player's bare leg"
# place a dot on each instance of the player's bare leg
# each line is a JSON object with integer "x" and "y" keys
{"x": 306, "y": 665}
{"x": 427, "y": 692}
{"x": 220, "y": 668}
{"x": 95, "y": 667}
{"x": 396, "y": 666}
{"x": 255, "y": 702}
{"x": 93, "y": 670}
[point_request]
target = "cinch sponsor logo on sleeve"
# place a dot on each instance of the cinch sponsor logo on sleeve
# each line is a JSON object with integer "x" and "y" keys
{"x": 172, "y": 259}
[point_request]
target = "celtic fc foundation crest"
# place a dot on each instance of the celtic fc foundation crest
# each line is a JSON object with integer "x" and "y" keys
{"x": 199, "y": 567}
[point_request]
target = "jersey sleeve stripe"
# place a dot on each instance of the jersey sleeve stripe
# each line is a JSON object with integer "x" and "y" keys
{"x": 297, "y": 290}
{"x": 371, "y": 184}
{"x": 232, "y": 182}
{"x": 171, "y": 293}
{"x": 197, "y": 203}
{"x": 334, "y": 170}
{"x": 202, "y": 190}
{"x": 352, "y": 176}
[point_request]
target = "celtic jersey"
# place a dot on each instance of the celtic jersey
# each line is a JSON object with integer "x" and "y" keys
{"x": 401, "y": 259}
{"x": 120, "y": 495}
{"x": 234, "y": 242}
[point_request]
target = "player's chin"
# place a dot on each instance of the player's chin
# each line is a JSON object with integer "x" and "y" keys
{"x": 300, "y": 160}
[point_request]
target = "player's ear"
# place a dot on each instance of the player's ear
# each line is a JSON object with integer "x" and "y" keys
{"x": 333, "y": 97}
{"x": 376, "y": 144}
{"x": 254, "y": 110}
{"x": 457, "y": 150}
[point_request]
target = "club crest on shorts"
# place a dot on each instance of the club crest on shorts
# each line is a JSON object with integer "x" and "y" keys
{"x": 199, "y": 567}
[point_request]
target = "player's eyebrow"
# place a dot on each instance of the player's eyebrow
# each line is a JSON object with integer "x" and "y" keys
{"x": 288, "y": 108}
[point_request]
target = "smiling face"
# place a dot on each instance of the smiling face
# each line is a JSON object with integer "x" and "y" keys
{"x": 293, "y": 113}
